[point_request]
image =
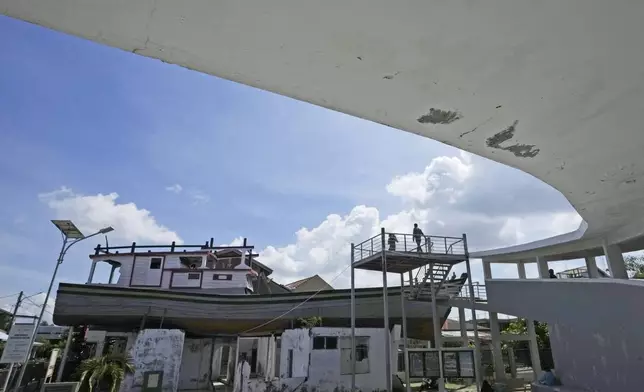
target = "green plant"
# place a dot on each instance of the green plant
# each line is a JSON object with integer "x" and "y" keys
{"x": 635, "y": 265}
{"x": 111, "y": 368}
{"x": 519, "y": 327}
{"x": 308, "y": 322}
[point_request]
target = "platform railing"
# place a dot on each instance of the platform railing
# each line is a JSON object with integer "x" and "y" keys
{"x": 408, "y": 243}
{"x": 480, "y": 294}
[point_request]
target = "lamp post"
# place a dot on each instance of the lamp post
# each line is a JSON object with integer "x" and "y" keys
{"x": 69, "y": 231}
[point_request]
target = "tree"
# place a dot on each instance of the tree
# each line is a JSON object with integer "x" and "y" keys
{"x": 44, "y": 350}
{"x": 5, "y": 320}
{"x": 520, "y": 327}
{"x": 97, "y": 372}
{"x": 308, "y": 322}
{"x": 635, "y": 265}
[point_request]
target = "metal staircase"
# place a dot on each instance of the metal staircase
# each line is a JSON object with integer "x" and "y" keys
{"x": 434, "y": 276}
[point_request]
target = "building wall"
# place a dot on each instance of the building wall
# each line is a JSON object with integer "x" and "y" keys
{"x": 329, "y": 369}
{"x": 600, "y": 362}
{"x": 596, "y": 337}
{"x": 154, "y": 350}
{"x": 195, "y": 364}
{"x": 172, "y": 274}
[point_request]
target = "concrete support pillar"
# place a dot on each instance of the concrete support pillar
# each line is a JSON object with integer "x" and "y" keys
{"x": 534, "y": 346}
{"x": 542, "y": 266}
{"x": 615, "y": 261}
{"x": 465, "y": 341}
{"x": 534, "y": 349}
{"x": 521, "y": 269}
{"x": 591, "y": 266}
{"x": 512, "y": 362}
{"x": 497, "y": 355}
{"x": 112, "y": 274}
{"x": 232, "y": 362}
{"x": 487, "y": 270}
{"x": 91, "y": 272}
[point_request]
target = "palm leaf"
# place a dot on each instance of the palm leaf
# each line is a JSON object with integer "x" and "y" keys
{"x": 111, "y": 367}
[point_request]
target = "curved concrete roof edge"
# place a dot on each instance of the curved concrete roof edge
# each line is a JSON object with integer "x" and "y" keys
{"x": 523, "y": 251}
{"x": 495, "y": 82}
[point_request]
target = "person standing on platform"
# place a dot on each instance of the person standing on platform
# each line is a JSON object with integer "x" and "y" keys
{"x": 392, "y": 241}
{"x": 418, "y": 237}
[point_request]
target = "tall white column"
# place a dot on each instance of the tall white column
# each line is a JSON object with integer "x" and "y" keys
{"x": 465, "y": 341}
{"x": 591, "y": 266}
{"x": 521, "y": 269}
{"x": 615, "y": 261}
{"x": 534, "y": 349}
{"x": 497, "y": 355}
{"x": 542, "y": 266}
{"x": 532, "y": 334}
{"x": 91, "y": 272}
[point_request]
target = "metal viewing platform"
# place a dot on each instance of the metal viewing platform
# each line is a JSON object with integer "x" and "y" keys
{"x": 405, "y": 252}
{"x": 424, "y": 263}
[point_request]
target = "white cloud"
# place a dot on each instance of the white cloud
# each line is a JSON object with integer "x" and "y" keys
{"x": 176, "y": 188}
{"x": 93, "y": 212}
{"x": 235, "y": 242}
{"x": 440, "y": 199}
{"x": 199, "y": 197}
{"x": 439, "y": 178}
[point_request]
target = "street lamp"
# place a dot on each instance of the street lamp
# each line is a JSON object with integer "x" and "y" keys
{"x": 69, "y": 231}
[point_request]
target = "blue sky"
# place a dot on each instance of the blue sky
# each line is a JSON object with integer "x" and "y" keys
{"x": 99, "y": 120}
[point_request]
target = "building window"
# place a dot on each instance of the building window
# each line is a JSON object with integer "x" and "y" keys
{"x": 194, "y": 276}
{"x": 325, "y": 342}
{"x": 222, "y": 277}
{"x": 155, "y": 263}
{"x": 362, "y": 355}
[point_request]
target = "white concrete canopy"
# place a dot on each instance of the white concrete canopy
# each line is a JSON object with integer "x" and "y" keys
{"x": 553, "y": 88}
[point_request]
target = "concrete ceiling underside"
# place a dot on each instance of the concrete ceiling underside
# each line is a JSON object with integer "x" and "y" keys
{"x": 553, "y": 88}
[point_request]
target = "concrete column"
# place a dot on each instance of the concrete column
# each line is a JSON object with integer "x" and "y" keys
{"x": 112, "y": 274}
{"x": 497, "y": 355}
{"x": 487, "y": 270}
{"x": 615, "y": 261}
{"x": 91, "y": 272}
{"x": 534, "y": 349}
{"x": 465, "y": 341}
{"x": 542, "y": 266}
{"x": 521, "y": 269}
{"x": 512, "y": 362}
{"x": 591, "y": 266}
{"x": 232, "y": 361}
{"x": 534, "y": 346}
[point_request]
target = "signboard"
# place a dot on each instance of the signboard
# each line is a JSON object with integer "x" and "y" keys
{"x": 466, "y": 362}
{"x": 16, "y": 350}
{"x": 52, "y": 364}
{"x": 450, "y": 364}
{"x": 457, "y": 363}
{"x": 60, "y": 387}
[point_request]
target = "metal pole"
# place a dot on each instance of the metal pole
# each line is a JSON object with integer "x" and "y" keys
{"x": 63, "y": 360}
{"x": 404, "y": 331}
{"x": 13, "y": 318}
{"x": 385, "y": 309}
{"x": 477, "y": 342}
{"x": 438, "y": 344}
{"x": 353, "y": 322}
{"x": 42, "y": 312}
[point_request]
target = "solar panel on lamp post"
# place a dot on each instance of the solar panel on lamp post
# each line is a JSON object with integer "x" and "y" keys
{"x": 69, "y": 231}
